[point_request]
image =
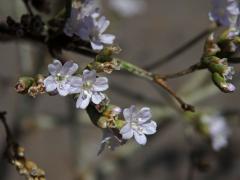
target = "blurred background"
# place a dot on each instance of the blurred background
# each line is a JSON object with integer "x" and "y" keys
{"x": 63, "y": 141}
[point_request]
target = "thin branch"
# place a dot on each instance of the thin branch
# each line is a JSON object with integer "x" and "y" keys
{"x": 68, "y": 6}
{"x": 60, "y": 42}
{"x": 16, "y": 156}
{"x": 28, "y": 7}
{"x": 161, "y": 61}
{"x": 163, "y": 84}
{"x": 189, "y": 70}
{"x": 5, "y": 125}
{"x": 156, "y": 79}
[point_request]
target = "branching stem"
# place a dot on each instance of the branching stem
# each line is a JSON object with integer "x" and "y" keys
{"x": 156, "y": 79}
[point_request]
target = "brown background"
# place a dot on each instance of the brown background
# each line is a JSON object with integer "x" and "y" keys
{"x": 63, "y": 141}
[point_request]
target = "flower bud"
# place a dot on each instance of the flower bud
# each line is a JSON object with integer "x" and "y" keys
{"x": 211, "y": 48}
{"x": 23, "y": 84}
{"x": 222, "y": 84}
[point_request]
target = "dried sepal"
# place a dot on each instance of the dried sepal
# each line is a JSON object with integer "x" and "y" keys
{"x": 31, "y": 86}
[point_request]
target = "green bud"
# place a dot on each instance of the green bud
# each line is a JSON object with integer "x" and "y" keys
{"x": 218, "y": 68}
{"x": 119, "y": 123}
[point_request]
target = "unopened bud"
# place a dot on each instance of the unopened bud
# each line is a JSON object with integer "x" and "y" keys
{"x": 222, "y": 84}
{"x": 23, "y": 84}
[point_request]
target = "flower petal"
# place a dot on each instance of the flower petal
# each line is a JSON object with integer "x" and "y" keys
{"x": 83, "y": 100}
{"x": 84, "y": 34}
{"x": 140, "y": 138}
{"x": 69, "y": 68}
{"x": 144, "y": 115}
{"x": 76, "y": 83}
{"x": 107, "y": 38}
{"x": 149, "y": 128}
{"x": 103, "y": 24}
{"x": 128, "y": 113}
{"x": 97, "y": 97}
{"x": 101, "y": 84}
{"x": 63, "y": 89}
{"x": 55, "y": 67}
{"x": 89, "y": 75}
{"x": 50, "y": 84}
{"x": 128, "y": 135}
{"x": 96, "y": 45}
{"x": 125, "y": 128}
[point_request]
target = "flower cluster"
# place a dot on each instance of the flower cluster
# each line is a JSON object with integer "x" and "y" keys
{"x": 87, "y": 23}
{"x": 88, "y": 86}
{"x": 222, "y": 73}
{"x": 135, "y": 124}
{"x": 226, "y": 13}
{"x": 218, "y": 130}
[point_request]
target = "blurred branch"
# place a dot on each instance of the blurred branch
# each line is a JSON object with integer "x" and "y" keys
{"x": 28, "y": 7}
{"x": 16, "y": 156}
{"x": 157, "y": 79}
{"x": 169, "y": 57}
{"x": 191, "y": 69}
{"x": 68, "y": 7}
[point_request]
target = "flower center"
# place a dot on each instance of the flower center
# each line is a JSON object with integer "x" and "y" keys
{"x": 87, "y": 85}
{"x": 136, "y": 127}
{"x": 60, "y": 78}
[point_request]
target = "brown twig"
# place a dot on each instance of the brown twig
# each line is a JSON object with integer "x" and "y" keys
{"x": 186, "y": 107}
{"x": 156, "y": 78}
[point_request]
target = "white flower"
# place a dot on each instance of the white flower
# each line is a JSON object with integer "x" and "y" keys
{"x": 85, "y": 22}
{"x": 138, "y": 124}
{"x": 218, "y": 129}
{"x": 60, "y": 77}
{"x": 78, "y": 12}
{"x": 90, "y": 87}
{"x": 92, "y": 30}
{"x": 110, "y": 140}
{"x": 128, "y": 8}
{"x": 225, "y": 12}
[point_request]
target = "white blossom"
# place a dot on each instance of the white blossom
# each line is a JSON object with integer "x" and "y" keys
{"x": 127, "y": 8}
{"x": 85, "y": 22}
{"x": 219, "y": 130}
{"x": 226, "y": 13}
{"x": 89, "y": 87}
{"x": 78, "y": 12}
{"x": 92, "y": 30}
{"x": 60, "y": 77}
{"x": 138, "y": 124}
